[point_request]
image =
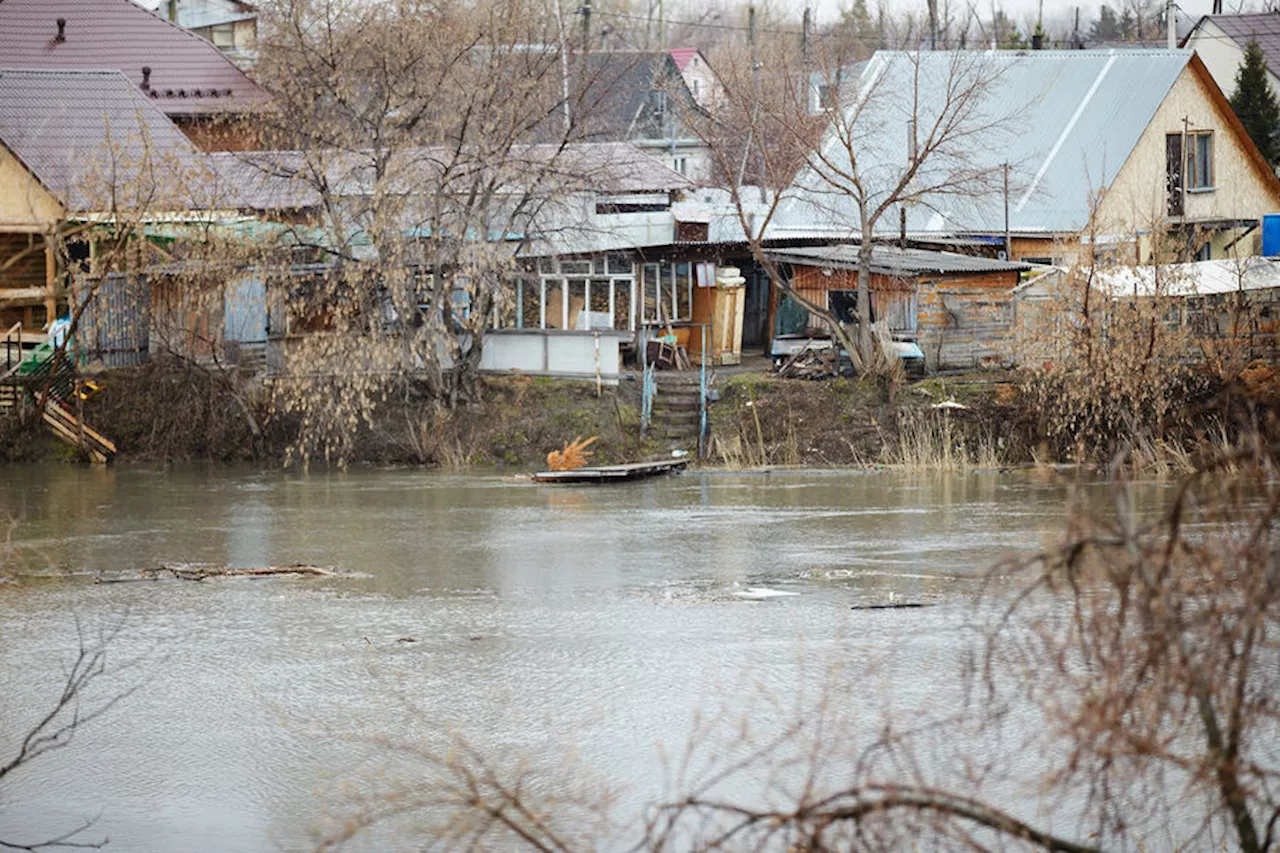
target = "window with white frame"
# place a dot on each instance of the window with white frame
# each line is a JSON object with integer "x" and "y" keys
{"x": 667, "y": 292}
{"x": 601, "y": 292}
{"x": 1199, "y": 160}
{"x": 826, "y": 97}
{"x": 578, "y": 294}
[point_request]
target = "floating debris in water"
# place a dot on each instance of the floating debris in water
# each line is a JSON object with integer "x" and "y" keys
{"x": 762, "y": 593}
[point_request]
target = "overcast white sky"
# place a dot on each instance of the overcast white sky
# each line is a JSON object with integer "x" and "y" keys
{"x": 828, "y": 10}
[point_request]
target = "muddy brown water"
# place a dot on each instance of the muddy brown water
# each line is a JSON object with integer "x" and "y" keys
{"x": 581, "y": 629}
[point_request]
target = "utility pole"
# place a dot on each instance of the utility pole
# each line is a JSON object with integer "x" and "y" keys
{"x": 755, "y": 107}
{"x": 586, "y": 30}
{"x": 1075, "y": 31}
{"x": 1008, "y": 249}
{"x": 804, "y": 37}
{"x": 564, "y": 68}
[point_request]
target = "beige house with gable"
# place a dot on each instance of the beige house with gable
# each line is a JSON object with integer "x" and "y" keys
{"x": 1135, "y": 152}
{"x": 1194, "y": 178}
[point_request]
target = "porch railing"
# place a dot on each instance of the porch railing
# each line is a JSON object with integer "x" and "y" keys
{"x": 12, "y": 349}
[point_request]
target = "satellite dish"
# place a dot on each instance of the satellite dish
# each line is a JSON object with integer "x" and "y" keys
{"x": 1002, "y": 255}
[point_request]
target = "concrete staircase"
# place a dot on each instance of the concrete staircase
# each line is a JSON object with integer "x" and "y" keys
{"x": 676, "y": 418}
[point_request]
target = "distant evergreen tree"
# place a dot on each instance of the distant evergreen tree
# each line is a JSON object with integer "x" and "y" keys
{"x": 1106, "y": 28}
{"x": 1127, "y": 29}
{"x": 858, "y": 19}
{"x": 855, "y": 36}
{"x": 1006, "y": 32}
{"x": 1255, "y": 103}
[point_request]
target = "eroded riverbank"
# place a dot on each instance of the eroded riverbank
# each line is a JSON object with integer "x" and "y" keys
{"x": 166, "y": 414}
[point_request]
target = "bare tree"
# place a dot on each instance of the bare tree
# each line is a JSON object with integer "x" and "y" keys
{"x": 423, "y": 148}
{"x": 805, "y": 141}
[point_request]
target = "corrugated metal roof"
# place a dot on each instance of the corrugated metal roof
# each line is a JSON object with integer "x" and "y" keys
{"x": 267, "y": 180}
{"x": 189, "y": 76}
{"x": 1203, "y": 278}
{"x": 86, "y": 134}
{"x": 1064, "y": 121}
{"x": 895, "y": 261}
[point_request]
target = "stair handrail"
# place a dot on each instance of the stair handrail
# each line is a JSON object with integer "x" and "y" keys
{"x": 9, "y": 365}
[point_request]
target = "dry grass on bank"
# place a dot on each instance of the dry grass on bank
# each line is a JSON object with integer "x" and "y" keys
{"x": 762, "y": 421}
{"x": 983, "y": 421}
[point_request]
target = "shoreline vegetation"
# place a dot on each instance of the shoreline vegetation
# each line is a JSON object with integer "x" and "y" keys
{"x": 173, "y": 411}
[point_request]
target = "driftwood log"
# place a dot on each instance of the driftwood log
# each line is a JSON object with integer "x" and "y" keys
{"x": 203, "y": 571}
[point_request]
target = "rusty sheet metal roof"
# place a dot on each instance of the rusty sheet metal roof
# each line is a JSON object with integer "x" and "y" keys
{"x": 894, "y": 261}
{"x": 189, "y": 76}
{"x": 1064, "y": 121}
{"x": 88, "y": 134}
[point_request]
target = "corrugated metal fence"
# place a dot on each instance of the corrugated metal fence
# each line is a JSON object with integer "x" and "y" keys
{"x": 115, "y": 326}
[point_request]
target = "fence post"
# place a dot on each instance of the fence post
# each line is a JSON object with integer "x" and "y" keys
{"x": 646, "y": 384}
{"x": 702, "y": 397}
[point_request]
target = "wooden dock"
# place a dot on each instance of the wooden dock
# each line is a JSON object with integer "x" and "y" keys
{"x": 613, "y": 473}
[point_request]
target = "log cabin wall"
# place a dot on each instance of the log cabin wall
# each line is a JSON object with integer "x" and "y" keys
{"x": 26, "y": 276}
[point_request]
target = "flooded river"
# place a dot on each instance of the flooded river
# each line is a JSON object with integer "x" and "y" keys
{"x": 581, "y": 627}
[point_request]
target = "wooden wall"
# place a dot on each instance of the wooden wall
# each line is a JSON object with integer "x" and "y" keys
{"x": 812, "y": 283}
{"x": 25, "y": 278}
{"x": 966, "y": 322}
{"x": 962, "y": 322}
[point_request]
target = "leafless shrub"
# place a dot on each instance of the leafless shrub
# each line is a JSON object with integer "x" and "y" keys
{"x": 77, "y": 703}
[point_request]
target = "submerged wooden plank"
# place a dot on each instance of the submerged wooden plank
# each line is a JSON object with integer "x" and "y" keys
{"x": 610, "y": 473}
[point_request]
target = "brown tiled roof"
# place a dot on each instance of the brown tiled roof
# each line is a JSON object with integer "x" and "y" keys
{"x": 90, "y": 135}
{"x": 189, "y": 76}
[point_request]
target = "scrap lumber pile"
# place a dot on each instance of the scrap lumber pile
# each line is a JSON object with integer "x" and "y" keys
{"x": 810, "y": 364}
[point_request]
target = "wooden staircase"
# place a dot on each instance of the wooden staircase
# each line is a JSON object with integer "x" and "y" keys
{"x": 62, "y": 410}
{"x": 73, "y": 430}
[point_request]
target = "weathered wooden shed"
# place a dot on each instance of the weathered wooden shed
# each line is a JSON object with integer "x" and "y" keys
{"x": 79, "y": 151}
{"x": 957, "y": 308}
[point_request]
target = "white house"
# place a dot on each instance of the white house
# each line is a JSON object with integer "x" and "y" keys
{"x": 1220, "y": 41}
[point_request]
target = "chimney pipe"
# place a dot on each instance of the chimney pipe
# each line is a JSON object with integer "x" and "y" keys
{"x": 1037, "y": 41}
{"x": 62, "y": 30}
{"x": 146, "y": 78}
